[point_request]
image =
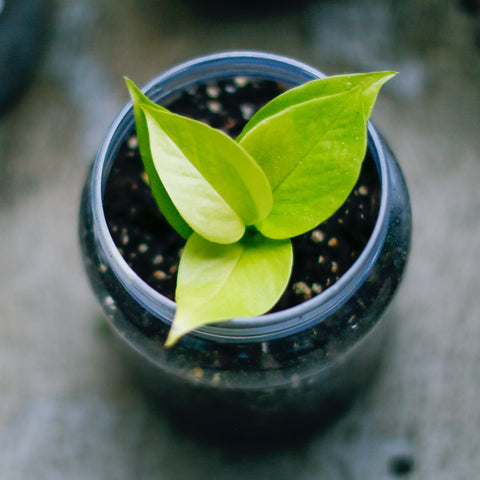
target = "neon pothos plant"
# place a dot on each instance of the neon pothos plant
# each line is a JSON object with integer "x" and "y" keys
{"x": 238, "y": 202}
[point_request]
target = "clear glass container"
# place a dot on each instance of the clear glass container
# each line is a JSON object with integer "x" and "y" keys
{"x": 292, "y": 369}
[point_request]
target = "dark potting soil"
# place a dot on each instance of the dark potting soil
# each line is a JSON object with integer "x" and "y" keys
{"x": 152, "y": 248}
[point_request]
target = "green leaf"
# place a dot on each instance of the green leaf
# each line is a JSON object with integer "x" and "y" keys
{"x": 160, "y": 194}
{"x": 323, "y": 87}
{"x": 201, "y": 178}
{"x": 312, "y": 154}
{"x": 218, "y": 282}
{"x": 215, "y": 185}
{"x": 204, "y": 210}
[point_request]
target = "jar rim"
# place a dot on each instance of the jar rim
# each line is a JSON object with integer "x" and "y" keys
{"x": 242, "y": 328}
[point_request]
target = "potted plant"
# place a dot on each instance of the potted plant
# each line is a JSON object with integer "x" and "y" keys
{"x": 305, "y": 360}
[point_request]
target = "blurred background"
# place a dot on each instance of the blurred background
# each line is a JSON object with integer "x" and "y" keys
{"x": 67, "y": 408}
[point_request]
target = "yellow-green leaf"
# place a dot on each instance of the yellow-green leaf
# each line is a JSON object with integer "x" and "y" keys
{"x": 215, "y": 185}
{"x": 201, "y": 178}
{"x": 218, "y": 282}
{"x": 312, "y": 154}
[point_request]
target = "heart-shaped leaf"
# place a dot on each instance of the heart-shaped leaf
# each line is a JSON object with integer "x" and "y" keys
{"x": 312, "y": 154}
{"x": 218, "y": 282}
{"x": 213, "y": 183}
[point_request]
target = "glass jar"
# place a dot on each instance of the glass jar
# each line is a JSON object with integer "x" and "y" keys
{"x": 292, "y": 369}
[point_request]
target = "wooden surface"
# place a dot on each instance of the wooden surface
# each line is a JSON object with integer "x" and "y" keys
{"x": 68, "y": 409}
